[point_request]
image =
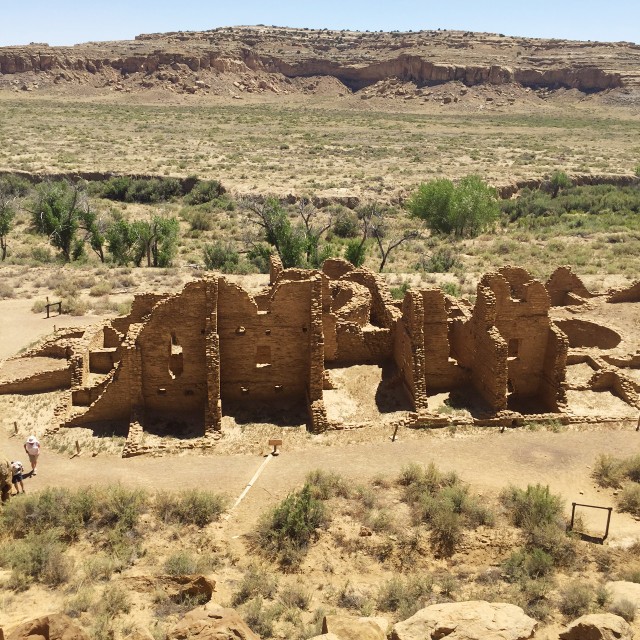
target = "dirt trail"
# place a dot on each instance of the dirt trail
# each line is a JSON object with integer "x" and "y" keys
{"x": 488, "y": 461}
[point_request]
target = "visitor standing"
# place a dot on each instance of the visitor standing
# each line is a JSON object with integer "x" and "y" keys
{"x": 32, "y": 447}
{"x": 17, "y": 469}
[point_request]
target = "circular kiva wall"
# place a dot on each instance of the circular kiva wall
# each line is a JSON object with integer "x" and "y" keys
{"x": 589, "y": 334}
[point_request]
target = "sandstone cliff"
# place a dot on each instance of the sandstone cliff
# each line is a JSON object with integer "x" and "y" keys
{"x": 277, "y": 59}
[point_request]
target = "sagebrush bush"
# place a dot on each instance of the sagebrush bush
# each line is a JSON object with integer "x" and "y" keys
{"x": 530, "y": 563}
{"x": 259, "y": 618}
{"x": 181, "y": 563}
{"x": 326, "y": 484}
{"x": 256, "y": 581}
{"x": 608, "y": 471}
{"x": 193, "y": 506}
{"x": 625, "y": 609}
{"x": 285, "y": 532}
{"x": 295, "y": 595}
{"x": 629, "y": 498}
{"x": 575, "y": 599}
{"x": 404, "y": 594}
{"x": 38, "y": 557}
{"x": 532, "y": 507}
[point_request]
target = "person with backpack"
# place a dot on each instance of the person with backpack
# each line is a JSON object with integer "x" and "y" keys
{"x": 17, "y": 470}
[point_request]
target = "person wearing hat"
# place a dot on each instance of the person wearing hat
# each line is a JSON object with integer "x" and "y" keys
{"x": 32, "y": 447}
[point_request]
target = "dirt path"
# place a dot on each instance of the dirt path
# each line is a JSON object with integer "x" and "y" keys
{"x": 488, "y": 460}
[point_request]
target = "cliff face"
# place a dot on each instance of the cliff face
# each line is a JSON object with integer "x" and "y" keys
{"x": 357, "y": 60}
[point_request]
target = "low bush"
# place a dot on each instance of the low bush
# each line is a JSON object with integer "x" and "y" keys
{"x": 141, "y": 190}
{"x": 259, "y": 618}
{"x": 181, "y": 563}
{"x": 286, "y": 531}
{"x": 194, "y": 506}
{"x": 223, "y": 257}
{"x": 204, "y": 191}
{"x": 629, "y": 499}
{"x": 39, "y": 557}
{"x": 257, "y": 581}
{"x": 346, "y": 224}
{"x": 296, "y": 596}
{"x": 532, "y": 507}
{"x": 625, "y": 609}
{"x": 575, "y": 599}
{"x": 608, "y": 471}
{"x": 404, "y": 595}
{"x": 529, "y": 563}
{"x": 325, "y": 485}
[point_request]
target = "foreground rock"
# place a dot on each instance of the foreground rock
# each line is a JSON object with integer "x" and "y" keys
{"x": 214, "y": 623}
{"x": 621, "y": 591}
{"x": 598, "y": 626}
{"x": 355, "y": 628}
{"x": 54, "y": 627}
{"x": 474, "y": 620}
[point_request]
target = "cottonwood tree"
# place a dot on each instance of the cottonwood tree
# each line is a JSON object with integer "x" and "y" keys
{"x": 275, "y": 226}
{"x": 462, "y": 210}
{"x": 60, "y": 210}
{"x": 355, "y": 252}
{"x": 155, "y": 239}
{"x": 7, "y": 214}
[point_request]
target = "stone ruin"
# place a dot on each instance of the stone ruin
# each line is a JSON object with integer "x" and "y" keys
{"x": 197, "y": 354}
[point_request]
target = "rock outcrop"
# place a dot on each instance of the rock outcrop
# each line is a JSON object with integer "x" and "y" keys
{"x": 214, "y": 623}
{"x": 621, "y": 591}
{"x": 57, "y": 626}
{"x": 355, "y": 628}
{"x": 597, "y": 626}
{"x": 474, "y": 620}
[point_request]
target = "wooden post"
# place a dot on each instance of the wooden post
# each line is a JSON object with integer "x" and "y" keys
{"x": 15, "y": 427}
{"x": 77, "y": 447}
{"x": 47, "y": 306}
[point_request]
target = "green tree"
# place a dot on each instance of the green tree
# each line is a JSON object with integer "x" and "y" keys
{"x": 59, "y": 211}
{"x": 355, "y": 252}
{"x": 7, "y": 214}
{"x": 155, "y": 239}
{"x": 559, "y": 180}
{"x": 121, "y": 242}
{"x": 220, "y": 256}
{"x": 463, "y": 210}
{"x": 270, "y": 216}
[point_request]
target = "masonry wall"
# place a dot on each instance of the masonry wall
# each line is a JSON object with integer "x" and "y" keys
{"x": 563, "y": 282}
{"x": 265, "y": 355}
{"x": 522, "y": 318}
{"x": 441, "y": 369}
{"x": 409, "y": 349}
{"x": 552, "y": 391}
{"x": 39, "y": 382}
{"x": 630, "y": 294}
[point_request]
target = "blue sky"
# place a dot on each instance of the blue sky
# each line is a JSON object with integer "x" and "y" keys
{"x": 64, "y": 22}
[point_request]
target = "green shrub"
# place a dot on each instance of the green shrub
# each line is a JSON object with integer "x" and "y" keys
{"x": 141, "y": 190}
{"x": 629, "y": 498}
{"x": 288, "y": 529}
{"x": 200, "y": 221}
{"x": 531, "y": 563}
{"x": 14, "y": 185}
{"x": 220, "y": 256}
{"x": 446, "y": 531}
{"x": 257, "y": 581}
{"x": 115, "y": 600}
{"x": 346, "y": 224}
{"x": 81, "y": 602}
{"x": 442, "y": 260}
{"x": 325, "y": 485}
{"x": 355, "y": 252}
{"x": 259, "y": 618}
{"x": 193, "y": 506}
{"x": 575, "y": 599}
{"x": 608, "y": 471}
{"x": 625, "y": 609}
{"x": 296, "y": 596}
{"x": 51, "y": 509}
{"x": 398, "y": 293}
{"x": 204, "y": 191}
{"x": 39, "y": 557}
{"x": 533, "y": 507}
{"x": 181, "y": 563}
{"x": 121, "y": 506}
{"x": 404, "y": 594}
